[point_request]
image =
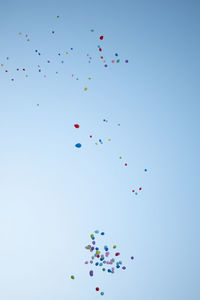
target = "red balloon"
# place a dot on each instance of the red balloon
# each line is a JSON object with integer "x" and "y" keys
{"x": 97, "y": 289}
{"x": 101, "y": 37}
{"x": 126, "y": 165}
{"x": 76, "y": 126}
{"x": 100, "y": 49}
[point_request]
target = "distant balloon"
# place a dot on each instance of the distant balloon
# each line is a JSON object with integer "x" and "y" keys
{"x": 78, "y": 145}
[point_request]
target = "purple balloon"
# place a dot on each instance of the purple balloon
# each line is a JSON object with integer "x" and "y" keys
{"x": 124, "y": 268}
{"x": 91, "y": 273}
{"x": 132, "y": 257}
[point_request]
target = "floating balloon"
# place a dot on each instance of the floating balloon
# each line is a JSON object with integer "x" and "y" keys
{"x": 78, "y": 145}
{"x": 76, "y": 125}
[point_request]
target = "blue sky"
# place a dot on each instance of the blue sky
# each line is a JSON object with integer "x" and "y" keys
{"x": 52, "y": 195}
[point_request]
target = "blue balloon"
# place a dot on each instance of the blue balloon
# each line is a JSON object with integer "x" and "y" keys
{"x": 78, "y": 145}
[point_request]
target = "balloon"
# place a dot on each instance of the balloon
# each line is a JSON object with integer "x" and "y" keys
{"x": 78, "y": 145}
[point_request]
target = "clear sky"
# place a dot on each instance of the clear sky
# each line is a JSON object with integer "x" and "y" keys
{"x": 53, "y": 195}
